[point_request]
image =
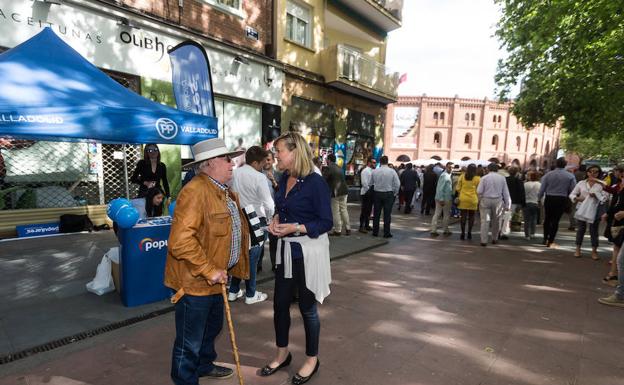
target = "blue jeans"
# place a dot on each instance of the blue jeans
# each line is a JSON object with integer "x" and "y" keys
{"x": 198, "y": 321}
{"x": 250, "y": 284}
{"x": 619, "y": 290}
{"x": 531, "y": 211}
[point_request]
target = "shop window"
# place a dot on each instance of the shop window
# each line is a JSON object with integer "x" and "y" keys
{"x": 298, "y": 24}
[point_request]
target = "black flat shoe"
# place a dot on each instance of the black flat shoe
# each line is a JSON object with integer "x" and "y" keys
{"x": 267, "y": 370}
{"x": 298, "y": 380}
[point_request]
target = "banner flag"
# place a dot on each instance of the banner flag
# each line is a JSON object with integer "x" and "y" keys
{"x": 192, "y": 81}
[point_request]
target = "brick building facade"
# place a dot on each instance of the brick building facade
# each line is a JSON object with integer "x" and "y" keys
{"x": 423, "y": 127}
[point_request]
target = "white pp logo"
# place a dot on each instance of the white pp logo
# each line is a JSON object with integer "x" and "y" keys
{"x": 166, "y": 128}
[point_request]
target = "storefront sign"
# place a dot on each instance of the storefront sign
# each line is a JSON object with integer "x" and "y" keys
{"x": 37, "y": 230}
{"x": 107, "y": 43}
{"x": 404, "y": 123}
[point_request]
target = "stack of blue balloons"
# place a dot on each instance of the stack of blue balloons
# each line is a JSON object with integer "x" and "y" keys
{"x": 121, "y": 211}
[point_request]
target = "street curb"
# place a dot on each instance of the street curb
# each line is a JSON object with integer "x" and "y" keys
{"x": 60, "y": 342}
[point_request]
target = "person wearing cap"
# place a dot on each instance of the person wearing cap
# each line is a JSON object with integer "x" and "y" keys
{"x": 209, "y": 239}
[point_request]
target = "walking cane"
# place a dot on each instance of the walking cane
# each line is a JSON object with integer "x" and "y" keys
{"x": 228, "y": 316}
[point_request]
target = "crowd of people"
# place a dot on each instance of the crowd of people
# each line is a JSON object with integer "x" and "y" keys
{"x": 505, "y": 198}
{"x": 212, "y": 242}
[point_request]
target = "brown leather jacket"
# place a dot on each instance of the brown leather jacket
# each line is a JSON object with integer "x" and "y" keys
{"x": 200, "y": 239}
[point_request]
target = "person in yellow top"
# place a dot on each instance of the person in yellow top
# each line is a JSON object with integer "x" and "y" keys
{"x": 468, "y": 201}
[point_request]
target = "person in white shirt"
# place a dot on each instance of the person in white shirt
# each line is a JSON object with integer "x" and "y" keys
{"x": 386, "y": 187}
{"x": 366, "y": 194}
{"x": 252, "y": 188}
{"x": 494, "y": 199}
{"x": 531, "y": 209}
{"x": 589, "y": 196}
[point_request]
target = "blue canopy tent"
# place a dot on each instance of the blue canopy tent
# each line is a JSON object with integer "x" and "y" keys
{"x": 48, "y": 91}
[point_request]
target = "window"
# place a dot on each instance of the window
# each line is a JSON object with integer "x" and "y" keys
{"x": 442, "y": 117}
{"x": 495, "y": 141}
{"x": 231, "y": 6}
{"x": 435, "y": 115}
{"x": 518, "y": 142}
{"x": 467, "y": 139}
{"x": 472, "y": 117}
{"x": 298, "y": 24}
{"x": 437, "y": 138}
{"x": 467, "y": 117}
{"x": 494, "y": 119}
{"x": 500, "y": 119}
{"x": 535, "y": 144}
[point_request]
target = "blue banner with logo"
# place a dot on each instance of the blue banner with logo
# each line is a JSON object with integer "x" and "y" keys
{"x": 192, "y": 82}
{"x": 50, "y": 92}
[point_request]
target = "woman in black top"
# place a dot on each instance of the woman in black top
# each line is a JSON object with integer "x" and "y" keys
{"x": 154, "y": 202}
{"x": 150, "y": 172}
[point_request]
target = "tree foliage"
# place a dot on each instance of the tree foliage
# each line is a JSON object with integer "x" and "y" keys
{"x": 568, "y": 56}
{"x": 608, "y": 147}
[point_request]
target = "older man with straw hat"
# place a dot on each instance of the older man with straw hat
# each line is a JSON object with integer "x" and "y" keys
{"x": 209, "y": 239}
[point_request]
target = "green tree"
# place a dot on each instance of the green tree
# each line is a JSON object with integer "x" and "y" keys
{"x": 568, "y": 56}
{"x": 609, "y": 147}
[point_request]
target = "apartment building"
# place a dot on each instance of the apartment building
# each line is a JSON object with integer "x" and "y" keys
{"x": 336, "y": 84}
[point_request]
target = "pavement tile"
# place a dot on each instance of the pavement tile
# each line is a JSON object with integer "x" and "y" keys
{"x": 417, "y": 311}
{"x": 522, "y": 360}
{"x": 596, "y": 372}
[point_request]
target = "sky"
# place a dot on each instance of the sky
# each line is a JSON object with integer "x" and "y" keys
{"x": 447, "y": 48}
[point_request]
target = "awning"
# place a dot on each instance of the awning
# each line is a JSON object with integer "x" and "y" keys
{"x": 48, "y": 91}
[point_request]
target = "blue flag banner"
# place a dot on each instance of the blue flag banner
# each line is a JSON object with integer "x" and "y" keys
{"x": 50, "y": 92}
{"x": 192, "y": 82}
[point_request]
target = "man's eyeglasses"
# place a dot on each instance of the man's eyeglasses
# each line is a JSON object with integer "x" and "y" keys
{"x": 228, "y": 158}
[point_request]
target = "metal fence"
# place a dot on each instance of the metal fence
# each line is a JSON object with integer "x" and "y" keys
{"x": 41, "y": 174}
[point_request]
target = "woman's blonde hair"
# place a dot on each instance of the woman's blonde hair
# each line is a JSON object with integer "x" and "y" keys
{"x": 296, "y": 143}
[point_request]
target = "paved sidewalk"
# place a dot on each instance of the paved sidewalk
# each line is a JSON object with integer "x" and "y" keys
{"x": 416, "y": 311}
{"x": 43, "y": 296}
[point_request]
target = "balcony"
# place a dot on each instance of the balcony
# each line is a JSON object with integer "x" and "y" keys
{"x": 349, "y": 70}
{"x": 384, "y": 14}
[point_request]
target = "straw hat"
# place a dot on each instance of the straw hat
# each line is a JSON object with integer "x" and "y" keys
{"x": 210, "y": 148}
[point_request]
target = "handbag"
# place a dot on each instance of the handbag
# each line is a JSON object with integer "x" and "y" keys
{"x": 586, "y": 211}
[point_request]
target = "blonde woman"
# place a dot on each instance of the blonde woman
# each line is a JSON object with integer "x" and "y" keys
{"x": 303, "y": 217}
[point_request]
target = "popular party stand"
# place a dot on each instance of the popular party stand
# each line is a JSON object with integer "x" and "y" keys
{"x": 142, "y": 263}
